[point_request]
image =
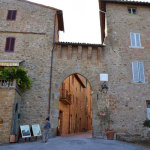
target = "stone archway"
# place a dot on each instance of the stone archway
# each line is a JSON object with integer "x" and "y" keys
{"x": 58, "y": 79}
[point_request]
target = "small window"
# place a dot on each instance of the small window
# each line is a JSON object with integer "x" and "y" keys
{"x": 138, "y": 72}
{"x": 11, "y": 15}
{"x": 132, "y": 11}
{"x": 135, "y": 39}
{"x": 10, "y": 44}
{"x": 72, "y": 80}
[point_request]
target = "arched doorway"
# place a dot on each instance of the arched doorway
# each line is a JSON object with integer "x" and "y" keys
{"x": 75, "y": 105}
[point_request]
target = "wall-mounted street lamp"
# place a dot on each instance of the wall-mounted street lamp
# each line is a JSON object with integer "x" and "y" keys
{"x": 104, "y": 88}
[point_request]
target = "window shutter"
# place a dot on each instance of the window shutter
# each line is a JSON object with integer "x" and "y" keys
{"x": 7, "y": 44}
{"x": 9, "y": 15}
{"x": 135, "y": 71}
{"x": 141, "y": 70}
{"x": 14, "y": 15}
{"x": 132, "y": 38}
{"x": 12, "y": 44}
{"x": 138, "y": 40}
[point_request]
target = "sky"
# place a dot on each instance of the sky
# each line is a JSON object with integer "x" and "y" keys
{"x": 81, "y": 19}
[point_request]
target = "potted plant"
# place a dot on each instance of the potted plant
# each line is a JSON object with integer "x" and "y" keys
{"x": 146, "y": 123}
{"x": 106, "y": 121}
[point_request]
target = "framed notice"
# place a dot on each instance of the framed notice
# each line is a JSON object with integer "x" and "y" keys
{"x": 36, "y": 130}
{"x": 25, "y": 131}
{"x": 103, "y": 77}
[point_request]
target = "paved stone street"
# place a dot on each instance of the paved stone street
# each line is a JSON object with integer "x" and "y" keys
{"x": 74, "y": 142}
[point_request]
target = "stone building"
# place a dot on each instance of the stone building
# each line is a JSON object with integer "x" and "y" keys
{"x": 30, "y": 29}
{"x": 75, "y": 106}
{"x": 123, "y": 55}
{"x": 125, "y": 32}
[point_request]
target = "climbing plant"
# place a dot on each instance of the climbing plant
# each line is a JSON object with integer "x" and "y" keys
{"x": 17, "y": 73}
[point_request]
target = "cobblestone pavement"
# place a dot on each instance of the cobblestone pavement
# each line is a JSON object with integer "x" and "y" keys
{"x": 74, "y": 142}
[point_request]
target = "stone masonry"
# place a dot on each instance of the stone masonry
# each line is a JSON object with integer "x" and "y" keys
{"x": 10, "y": 100}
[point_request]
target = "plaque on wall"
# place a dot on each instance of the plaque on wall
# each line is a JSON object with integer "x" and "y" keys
{"x": 36, "y": 130}
{"x": 25, "y": 131}
{"x": 104, "y": 77}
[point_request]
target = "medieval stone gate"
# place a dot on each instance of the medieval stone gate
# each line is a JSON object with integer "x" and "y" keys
{"x": 85, "y": 60}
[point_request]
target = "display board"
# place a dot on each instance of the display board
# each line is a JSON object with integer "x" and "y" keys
{"x": 36, "y": 130}
{"x": 25, "y": 131}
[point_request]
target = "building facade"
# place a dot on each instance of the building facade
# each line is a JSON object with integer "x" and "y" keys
{"x": 27, "y": 32}
{"x": 125, "y": 32}
{"x": 124, "y": 56}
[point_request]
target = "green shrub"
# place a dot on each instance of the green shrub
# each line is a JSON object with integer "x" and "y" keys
{"x": 18, "y": 73}
{"x": 146, "y": 123}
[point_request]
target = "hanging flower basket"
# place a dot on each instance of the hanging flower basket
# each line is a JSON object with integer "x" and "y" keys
{"x": 102, "y": 114}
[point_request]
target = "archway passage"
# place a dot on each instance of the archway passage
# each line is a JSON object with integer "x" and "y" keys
{"x": 75, "y": 106}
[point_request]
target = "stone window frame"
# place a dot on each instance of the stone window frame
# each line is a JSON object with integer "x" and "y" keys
{"x": 129, "y": 7}
{"x": 11, "y": 15}
{"x": 9, "y": 50}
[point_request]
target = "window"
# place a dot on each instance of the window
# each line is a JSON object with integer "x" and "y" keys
{"x": 135, "y": 39}
{"x": 86, "y": 83}
{"x": 138, "y": 71}
{"x": 132, "y": 10}
{"x": 11, "y": 15}
{"x": 10, "y": 44}
{"x": 72, "y": 80}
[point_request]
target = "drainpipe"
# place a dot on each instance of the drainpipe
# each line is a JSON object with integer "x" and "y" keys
{"x": 51, "y": 69}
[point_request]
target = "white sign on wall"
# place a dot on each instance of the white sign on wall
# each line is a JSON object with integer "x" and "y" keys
{"x": 103, "y": 77}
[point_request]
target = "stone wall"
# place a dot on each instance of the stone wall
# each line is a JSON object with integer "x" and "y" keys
{"x": 33, "y": 30}
{"x": 7, "y": 104}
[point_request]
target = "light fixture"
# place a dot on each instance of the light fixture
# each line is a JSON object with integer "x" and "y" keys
{"x": 104, "y": 88}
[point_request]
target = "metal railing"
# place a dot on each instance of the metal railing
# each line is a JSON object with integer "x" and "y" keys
{"x": 3, "y": 82}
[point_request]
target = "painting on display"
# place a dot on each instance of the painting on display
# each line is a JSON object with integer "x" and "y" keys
{"x": 25, "y": 131}
{"x": 36, "y": 130}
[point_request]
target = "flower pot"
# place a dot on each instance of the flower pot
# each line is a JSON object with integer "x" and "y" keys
{"x": 110, "y": 135}
{"x": 12, "y": 138}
